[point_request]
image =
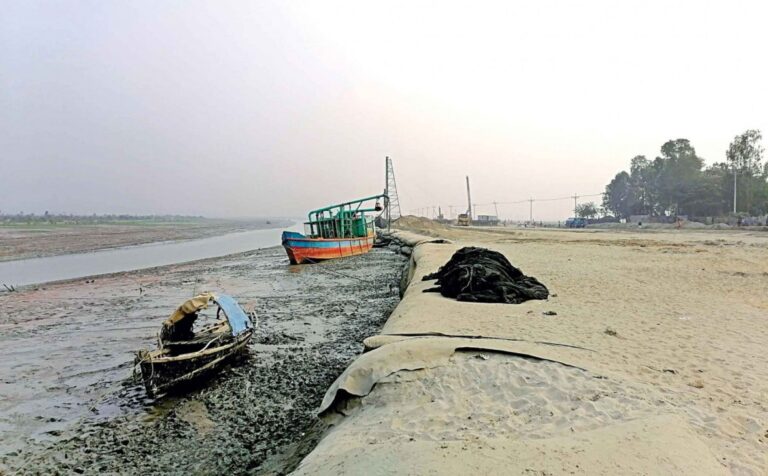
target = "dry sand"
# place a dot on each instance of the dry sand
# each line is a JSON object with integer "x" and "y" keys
{"x": 674, "y": 381}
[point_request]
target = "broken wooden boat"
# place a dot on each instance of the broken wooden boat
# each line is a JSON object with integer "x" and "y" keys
{"x": 336, "y": 231}
{"x": 184, "y": 354}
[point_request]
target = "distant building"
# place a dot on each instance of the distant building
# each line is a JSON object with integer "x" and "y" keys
{"x": 486, "y": 220}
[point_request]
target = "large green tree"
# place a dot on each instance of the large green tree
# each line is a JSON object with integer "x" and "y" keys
{"x": 709, "y": 196}
{"x": 617, "y": 197}
{"x": 745, "y": 156}
{"x": 679, "y": 170}
{"x": 675, "y": 183}
{"x": 643, "y": 186}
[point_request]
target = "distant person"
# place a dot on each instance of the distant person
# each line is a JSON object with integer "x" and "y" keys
{"x": 639, "y": 224}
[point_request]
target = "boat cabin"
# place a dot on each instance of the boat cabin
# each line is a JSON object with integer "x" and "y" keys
{"x": 345, "y": 220}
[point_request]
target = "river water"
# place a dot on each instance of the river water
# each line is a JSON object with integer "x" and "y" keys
{"x": 57, "y": 268}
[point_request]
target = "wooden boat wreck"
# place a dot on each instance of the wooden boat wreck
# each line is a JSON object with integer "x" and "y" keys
{"x": 184, "y": 355}
{"x": 336, "y": 231}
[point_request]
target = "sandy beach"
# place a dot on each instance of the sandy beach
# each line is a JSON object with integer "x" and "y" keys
{"x": 654, "y": 338}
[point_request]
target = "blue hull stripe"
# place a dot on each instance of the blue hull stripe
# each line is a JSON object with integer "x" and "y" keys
{"x": 297, "y": 240}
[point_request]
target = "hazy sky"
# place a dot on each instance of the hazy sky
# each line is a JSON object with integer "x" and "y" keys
{"x": 272, "y": 108}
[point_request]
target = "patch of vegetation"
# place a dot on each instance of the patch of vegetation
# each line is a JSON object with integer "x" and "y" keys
{"x": 677, "y": 183}
{"x": 51, "y": 220}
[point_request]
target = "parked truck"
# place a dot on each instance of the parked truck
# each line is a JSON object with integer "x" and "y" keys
{"x": 576, "y": 222}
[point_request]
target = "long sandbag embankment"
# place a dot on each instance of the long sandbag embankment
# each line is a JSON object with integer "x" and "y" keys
{"x": 450, "y": 388}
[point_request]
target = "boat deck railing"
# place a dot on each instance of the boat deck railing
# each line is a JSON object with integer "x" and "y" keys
{"x": 344, "y": 220}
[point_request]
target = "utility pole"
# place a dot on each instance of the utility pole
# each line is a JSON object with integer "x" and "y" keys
{"x": 575, "y": 199}
{"x": 496, "y": 209}
{"x": 530, "y": 220}
{"x": 469, "y": 201}
{"x": 734, "y": 187}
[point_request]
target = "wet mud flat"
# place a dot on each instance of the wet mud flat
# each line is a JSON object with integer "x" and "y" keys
{"x": 71, "y": 405}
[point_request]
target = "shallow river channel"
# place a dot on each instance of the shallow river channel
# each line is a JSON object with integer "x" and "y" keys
{"x": 57, "y": 268}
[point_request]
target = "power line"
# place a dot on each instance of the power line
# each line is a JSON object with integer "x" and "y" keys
{"x": 515, "y": 202}
{"x": 529, "y": 201}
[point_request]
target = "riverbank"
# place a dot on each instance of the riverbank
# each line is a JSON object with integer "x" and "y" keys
{"x": 69, "y": 404}
{"x": 647, "y": 358}
{"x": 33, "y": 241}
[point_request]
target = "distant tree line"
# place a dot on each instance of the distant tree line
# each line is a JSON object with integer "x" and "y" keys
{"x": 677, "y": 183}
{"x": 64, "y": 218}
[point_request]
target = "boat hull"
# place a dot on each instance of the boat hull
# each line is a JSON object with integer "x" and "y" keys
{"x": 301, "y": 249}
{"x": 162, "y": 372}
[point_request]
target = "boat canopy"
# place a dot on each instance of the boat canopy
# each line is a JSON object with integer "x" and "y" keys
{"x": 237, "y": 318}
{"x": 189, "y": 308}
{"x": 344, "y": 220}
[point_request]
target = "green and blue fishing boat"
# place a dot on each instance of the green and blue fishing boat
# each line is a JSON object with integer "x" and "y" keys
{"x": 346, "y": 229}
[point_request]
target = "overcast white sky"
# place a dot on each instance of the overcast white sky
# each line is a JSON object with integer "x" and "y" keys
{"x": 254, "y": 108}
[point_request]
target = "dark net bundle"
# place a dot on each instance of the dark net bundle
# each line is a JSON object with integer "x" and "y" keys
{"x": 481, "y": 275}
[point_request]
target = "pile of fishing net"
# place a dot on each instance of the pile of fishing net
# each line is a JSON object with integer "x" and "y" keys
{"x": 481, "y": 275}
